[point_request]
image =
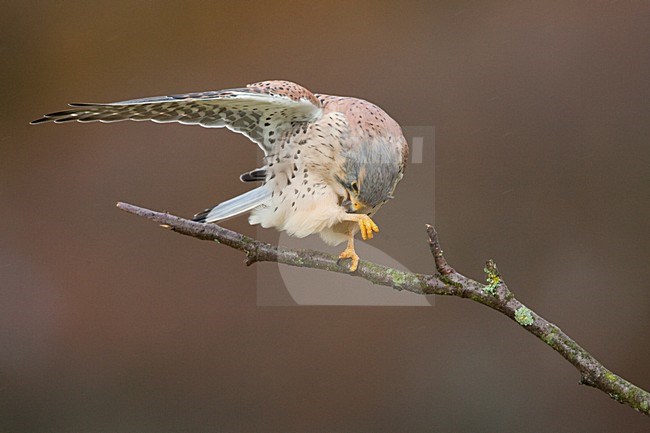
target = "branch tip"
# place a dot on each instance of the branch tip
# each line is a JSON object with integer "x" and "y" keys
{"x": 434, "y": 245}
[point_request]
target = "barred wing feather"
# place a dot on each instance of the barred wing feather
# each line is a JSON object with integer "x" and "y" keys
{"x": 261, "y": 111}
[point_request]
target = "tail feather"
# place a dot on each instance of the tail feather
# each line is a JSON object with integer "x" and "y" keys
{"x": 233, "y": 207}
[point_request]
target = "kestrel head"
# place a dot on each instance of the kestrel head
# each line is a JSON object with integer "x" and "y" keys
{"x": 370, "y": 174}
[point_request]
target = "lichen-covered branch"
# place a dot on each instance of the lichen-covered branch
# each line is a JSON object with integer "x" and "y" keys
{"x": 446, "y": 281}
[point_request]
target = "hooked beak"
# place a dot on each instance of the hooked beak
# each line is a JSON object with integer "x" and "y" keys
{"x": 350, "y": 205}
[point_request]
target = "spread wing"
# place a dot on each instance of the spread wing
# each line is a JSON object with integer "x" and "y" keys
{"x": 260, "y": 111}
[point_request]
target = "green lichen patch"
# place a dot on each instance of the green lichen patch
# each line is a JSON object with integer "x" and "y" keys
{"x": 524, "y": 316}
{"x": 445, "y": 279}
{"x": 493, "y": 277}
{"x": 550, "y": 337}
{"x": 611, "y": 376}
{"x": 399, "y": 278}
{"x": 490, "y": 289}
{"x": 644, "y": 406}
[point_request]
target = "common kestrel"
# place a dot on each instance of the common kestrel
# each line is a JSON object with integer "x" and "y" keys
{"x": 330, "y": 162}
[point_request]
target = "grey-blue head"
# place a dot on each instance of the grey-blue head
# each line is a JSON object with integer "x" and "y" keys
{"x": 371, "y": 173}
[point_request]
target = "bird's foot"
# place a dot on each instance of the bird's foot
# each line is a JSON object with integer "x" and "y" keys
{"x": 349, "y": 253}
{"x": 368, "y": 227}
{"x": 366, "y": 224}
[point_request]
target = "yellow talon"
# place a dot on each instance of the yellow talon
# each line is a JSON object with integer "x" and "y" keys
{"x": 367, "y": 226}
{"x": 349, "y": 253}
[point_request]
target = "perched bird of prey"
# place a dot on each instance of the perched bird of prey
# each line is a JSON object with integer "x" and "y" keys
{"x": 330, "y": 162}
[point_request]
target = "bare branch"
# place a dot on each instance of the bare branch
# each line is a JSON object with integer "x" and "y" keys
{"x": 446, "y": 281}
{"x": 441, "y": 263}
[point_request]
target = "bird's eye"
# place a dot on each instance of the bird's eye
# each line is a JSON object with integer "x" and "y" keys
{"x": 355, "y": 187}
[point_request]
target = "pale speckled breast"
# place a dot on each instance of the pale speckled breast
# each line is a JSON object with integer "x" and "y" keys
{"x": 301, "y": 168}
{"x": 307, "y": 162}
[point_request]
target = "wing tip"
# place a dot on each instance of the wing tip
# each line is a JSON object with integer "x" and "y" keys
{"x": 201, "y": 216}
{"x": 58, "y": 115}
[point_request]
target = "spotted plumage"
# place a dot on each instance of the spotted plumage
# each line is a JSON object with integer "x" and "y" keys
{"x": 330, "y": 162}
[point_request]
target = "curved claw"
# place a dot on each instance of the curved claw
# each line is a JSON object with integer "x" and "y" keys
{"x": 349, "y": 253}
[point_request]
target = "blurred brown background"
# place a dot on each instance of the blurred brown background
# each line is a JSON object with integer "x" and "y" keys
{"x": 110, "y": 324}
